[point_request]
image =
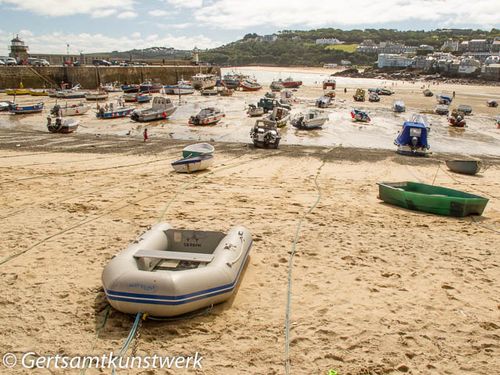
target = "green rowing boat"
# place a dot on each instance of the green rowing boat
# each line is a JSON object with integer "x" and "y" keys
{"x": 433, "y": 199}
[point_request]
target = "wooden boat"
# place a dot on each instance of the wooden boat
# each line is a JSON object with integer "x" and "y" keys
{"x": 99, "y": 95}
{"x": 39, "y": 93}
{"x": 359, "y": 115}
{"x": 398, "y": 106}
{"x": 457, "y": 119}
{"x": 114, "y": 113}
{"x": 26, "y": 108}
{"x": 313, "y": 119}
{"x": 168, "y": 272}
{"x": 207, "y": 116}
{"x": 432, "y": 199}
{"x": 70, "y": 109}
{"x": 255, "y": 111}
{"x": 250, "y": 85}
{"x": 197, "y": 149}
{"x": 59, "y": 125}
{"x": 203, "y": 81}
{"x": 412, "y": 139}
{"x": 470, "y": 167}
{"x": 428, "y": 93}
{"x": 359, "y": 96}
{"x": 329, "y": 82}
{"x": 279, "y": 117}
{"x": 137, "y": 98}
{"x": 193, "y": 164}
{"x": 290, "y": 83}
{"x": 127, "y": 89}
{"x": 265, "y": 135}
{"x": 162, "y": 109}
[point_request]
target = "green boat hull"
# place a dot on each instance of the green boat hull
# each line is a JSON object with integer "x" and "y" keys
{"x": 432, "y": 199}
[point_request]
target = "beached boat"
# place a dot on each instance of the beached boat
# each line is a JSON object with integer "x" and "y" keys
{"x": 457, "y": 119}
{"x": 312, "y": 119}
{"x": 203, "y": 81}
{"x": 5, "y": 105}
{"x": 255, "y": 111}
{"x": 442, "y": 109}
{"x": 359, "y": 96}
{"x": 492, "y": 103}
{"x": 69, "y": 109}
{"x": 359, "y": 115}
{"x": 99, "y": 95}
{"x": 193, "y": 164}
{"x": 398, "y": 106}
{"x": 323, "y": 101}
{"x": 168, "y": 272}
{"x": 41, "y": 92}
{"x": 329, "y": 82}
{"x": 26, "y": 108}
{"x": 197, "y": 149}
{"x": 279, "y": 117}
{"x": 330, "y": 93}
{"x": 114, "y": 113}
{"x": 207, "y": 116}
{"x": 231, "y": 81}
{"x": 470, "y": 167}
{"x": 428, "y": 93}
{"x": 264, "y": 135}
{"x": 444, "y": 99}
{"x": 421, "y": 119}
{"x": 18, "y": 91}
{"x": 412, "y": 139}
{"x": 127, "y": 89}
{"x": 161, "y": 109}
{"x": 373, "y": 97}
{"x": 465, "y": 109}
{"x": 137, "y": 98}
{"x": 250, "y": 85}
{"x": 385, "y": 91}
{"x": 290, "y": 83}
{"x": 112, "y": 87}
{"x": 276, "y": 86}
{"x": 150, "y": 87}
{"x": 209, "y": 92}
{"x": 74, "y": 93}
{"x": 432, "y": 199}
{"x": 182, "y": 88}
{"x": 59, "y": 125}
{"x": 226, "y": 92}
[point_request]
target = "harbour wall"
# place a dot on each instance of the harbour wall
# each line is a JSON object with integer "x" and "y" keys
{"x": 90, "y": 77}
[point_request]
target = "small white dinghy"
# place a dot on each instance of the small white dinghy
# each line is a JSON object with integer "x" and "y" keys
{"x": 169, "y": 272}
{"x": 193, "y": 163}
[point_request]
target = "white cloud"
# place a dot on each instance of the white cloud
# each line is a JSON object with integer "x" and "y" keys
{"x": 127, "y": 15}
{"x": 57, "y": 8}
{"x": 158, "y": 13}
{"x": 186, "y": 3}
{"x": 241, "y": 14}
{"x": 56, "y": 42}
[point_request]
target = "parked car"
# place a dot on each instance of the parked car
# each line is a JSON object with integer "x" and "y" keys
{"x": 9, "y": 60}
{"x": 76, "y": 63}
{"x": 100, "y": 62}
{"x": 41, "y": 62}
{"x": 2, "y": 63}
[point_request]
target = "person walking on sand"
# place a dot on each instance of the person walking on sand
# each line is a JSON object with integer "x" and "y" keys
{"x": 345, "y": 90}
{"x": 145, "y": 134}
{"x": 453, "y": 94}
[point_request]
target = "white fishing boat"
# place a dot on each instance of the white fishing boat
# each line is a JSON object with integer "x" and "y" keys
{"x": 312, "y": 119}
{"x": 181, "y": 88}
{"x": 98, "y": 95}
{"x": 278, "y": 117}
{"x": 197, "y": 149}
{"x": 255, "y": 111}
{"x": 168, "y": 272}
{"x": 69, "y": 109}
{"x": 112, "y": 87}
{"x": 162, "y": 109}
{"x": 193, "y": 163}
{"x": 398, "y": 106}
{"x": 207, "y": 116}
{"x": 203, "y": 81}
{"x": 60, "y": 125}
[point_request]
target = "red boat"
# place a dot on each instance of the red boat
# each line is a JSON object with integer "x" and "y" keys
{"x": 457, "y": 119}
{"x": 289, "y": 83}
{"x": 248, "y": 85}
{"x": 329, "y": 82}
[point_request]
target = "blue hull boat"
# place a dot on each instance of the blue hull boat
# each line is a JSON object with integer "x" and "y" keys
{"x": 26, "y": 109}
{"x": 121, "y": 112}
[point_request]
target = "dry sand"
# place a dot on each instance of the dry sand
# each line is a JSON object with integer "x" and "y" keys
{"x": 376, "y": 289}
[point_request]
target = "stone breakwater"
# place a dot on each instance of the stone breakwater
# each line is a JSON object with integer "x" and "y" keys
{"x": 91, "y": 77}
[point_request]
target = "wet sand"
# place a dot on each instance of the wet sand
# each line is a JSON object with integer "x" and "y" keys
{"x": 376, "y": 289}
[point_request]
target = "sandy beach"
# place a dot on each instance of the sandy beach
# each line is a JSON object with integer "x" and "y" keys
{"x": 375, "y": 289}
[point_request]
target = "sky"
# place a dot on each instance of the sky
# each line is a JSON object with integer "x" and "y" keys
{"x": 47, "y": 26}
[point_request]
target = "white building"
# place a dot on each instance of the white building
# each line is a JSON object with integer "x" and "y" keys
{"x": 388, "y": 60}
{"x": 329, "y": 41}
{"x": 450, "y": 45}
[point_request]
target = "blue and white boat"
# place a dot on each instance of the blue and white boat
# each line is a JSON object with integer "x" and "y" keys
{"x": 26, "y": 109}
{"x": 182, "y": 88}
{"x": 114, "y": 113}
{"x": 444, "y": 99}
{"x": 399, "y": 106}
{"x": 168, "y": 272}
{"x": 412, "y": 139}
{"x": 193, "y": 163}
